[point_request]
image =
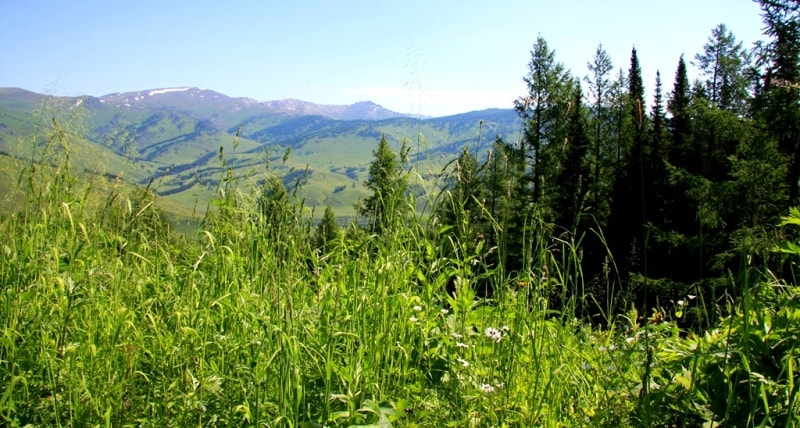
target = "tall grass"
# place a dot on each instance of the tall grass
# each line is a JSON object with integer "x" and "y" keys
{"x": 111, "y": 319}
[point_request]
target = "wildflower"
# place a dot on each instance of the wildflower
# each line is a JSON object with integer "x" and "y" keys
{"x": 486, "y": 388}
{"x": 586, "y": 366}
{"x": 445, "y": 311}
{"x": 493, "y": 333}
{"x": 682, "y": 302}
{"x": 602, "y": 349}
{"x": 463, "y": 362}
{"x": 691, "y": 296}
{"x": 456, "y": 335}
{"x": 630, "y": 339}
{"x": 417, "y": 308}
{"x": 505, "y": 328}
{"x": 461, "y": 345}
{"x": 413, "y": 319}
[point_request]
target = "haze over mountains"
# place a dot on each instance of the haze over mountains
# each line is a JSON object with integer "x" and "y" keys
{"x": 180, "y": 140}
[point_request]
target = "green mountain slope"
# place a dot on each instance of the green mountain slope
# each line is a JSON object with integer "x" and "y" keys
{"x": 181, "y": 141}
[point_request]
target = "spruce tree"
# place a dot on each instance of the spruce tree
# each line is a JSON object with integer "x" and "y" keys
{"x": 779, "y": 102}
{"x": 628, "y": 212}
{"x": 573, "y": 179}
{"x": 385, "y": 207}
{"x": 542, "y": 111}
{"x": 682, "y": 153}
{"x": 502, "y": 180}
{"x": 601, "y": 132}
{"x": 328, "y": 231}
{"x": 463, "y": 203}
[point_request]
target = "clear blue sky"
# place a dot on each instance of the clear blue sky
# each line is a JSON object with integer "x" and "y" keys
{"x": 429, "y": 57}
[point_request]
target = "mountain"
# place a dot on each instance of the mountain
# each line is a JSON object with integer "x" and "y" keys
{"x": 207, "y": 104}
{"x": 181, "y": 140}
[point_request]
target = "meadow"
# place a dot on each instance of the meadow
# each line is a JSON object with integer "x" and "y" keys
{"x": 111, "y": 318}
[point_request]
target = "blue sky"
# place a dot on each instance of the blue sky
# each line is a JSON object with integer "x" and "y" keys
{"x": 429, "y": 57}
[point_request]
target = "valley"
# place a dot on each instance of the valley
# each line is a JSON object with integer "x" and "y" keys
{"x": 180, "y": 141}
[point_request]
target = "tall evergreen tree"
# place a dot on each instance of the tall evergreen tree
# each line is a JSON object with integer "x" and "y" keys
{"x": 542, "y": 111}
{"x": 628, "y": 213}
{"x": 620, "y": 119}
{"x": 682, "y": 153}
{"x": 600, "y": 124}
{"x": 684, "y": 164}
{"x": 463, "y": 204}
{"x": 573, "y": 179}
{"x": 385, "y": 207}
{"x": 502, "y": 178}
{"x": 656, "y": 192}
{"x": 779, "y": 102}
{"x": 636, "y": 99}
{"x": 722, "y": 64}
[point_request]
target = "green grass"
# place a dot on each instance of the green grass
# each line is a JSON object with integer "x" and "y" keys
{"x": 108, "y": 318}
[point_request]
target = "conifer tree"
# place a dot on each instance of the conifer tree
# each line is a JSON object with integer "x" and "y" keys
{"x": 386, "y": 206}
{"x": 627, "y": 218}
{"x": 779, "y": 102}
{"x": 328, "y": 231}
{"x": 682, "y": 153}
{"x": 636, "y": 100}
{"x": 723, "y": 64}
{"x": 542, "y": 111}
{"x": 600, "y": 131}
{"x": 463, "y": 204}
{"x": 502, "y": 178}
{"x": 573, "y": 179}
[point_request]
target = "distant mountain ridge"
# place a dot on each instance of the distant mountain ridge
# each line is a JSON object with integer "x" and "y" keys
{"x": 184, "y": 97}
{"x": 173, "y": 139}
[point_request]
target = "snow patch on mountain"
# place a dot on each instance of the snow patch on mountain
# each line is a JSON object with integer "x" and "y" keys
{"x": 164, "y": 91}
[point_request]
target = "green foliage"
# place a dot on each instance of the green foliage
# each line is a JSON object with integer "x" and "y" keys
{"x": 722, "y": 64}
{"x": 542, "y": 111}
{"x": 328, "y": 231}
{"x": 483, "y": 314}
{"x": 108, "y": 318}
{"x": 386, "y": 207}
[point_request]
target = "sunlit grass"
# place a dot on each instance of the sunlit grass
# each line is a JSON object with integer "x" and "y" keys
{"x": 110, "y": 318}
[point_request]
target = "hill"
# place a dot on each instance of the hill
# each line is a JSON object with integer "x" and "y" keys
{"x": 181, "y": 140}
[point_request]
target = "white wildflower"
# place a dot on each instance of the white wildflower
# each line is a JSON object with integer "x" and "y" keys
{"x": 493, "y": 333}
{"x": 691, "y": 296}
{"x": 463, "y": 362}
{"x": 486, "y": 388}
{"x": 445, "y": 311}
{"x": 586, "y": 366}
{"x": 630, "y": 339}
{"x": 505, "y": 328}
{"x": 413, "y": 319}
{"x": 456, "y": 335}
{"x": 682, "y": 302}
{"x": 461, "y": 345}
{"x": 417, "y": 308}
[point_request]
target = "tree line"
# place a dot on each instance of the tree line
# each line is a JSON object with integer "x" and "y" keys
{"x": 660, "y": 198}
